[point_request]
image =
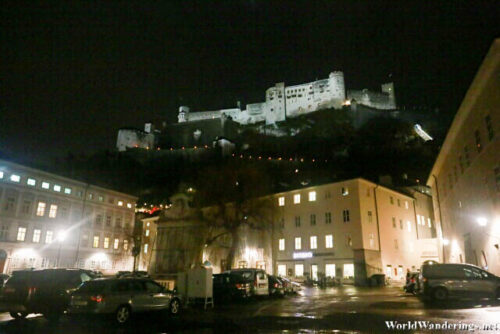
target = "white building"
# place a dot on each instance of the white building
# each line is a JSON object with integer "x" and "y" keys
{"x": 51, "y": 221}
{"x": 284, "y": 102}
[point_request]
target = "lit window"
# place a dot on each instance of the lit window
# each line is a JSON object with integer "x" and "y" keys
{"x": 36, "y": 235}
{"x": 91, "y": 196}
{"x": 314, "y": 242}
{"x": 49, "y": 235}
{"x": 281, "y": 269}
{"x": 312, "y": 196}
{"x": 67, "y": 191}
{"x": 348, "y": 270}
{"x": 299, "y": 270}
{"x": 282, "y": 244}
{"x": 129, "y": 205}
{"x": 1, "y": 175}
{"x": 429, "y": 221}
{"x": 147, "y": 233}
{"x": 281, "y": 201}
{"x": 116, "y": 243}
{"x": 406, "y": 204}
{"x": 21, "y": 233}
{"x": 345, "y": 191}
{"x": 296, "y": 199}
{"x": 57, "y": 188}
{"x": 408, "y": 223}
{"x": 298, "y": 243}
{"x": 15, "y": 178}
{"x": 31, "y": 182}
{"x": 146, "y": 248}
{"x": 95, "y": 243}
{"x": 372, "y": 240}
{"x": 147, "y": 224}
{"x": 418, "y": 219}
{"x": 45, "y": 185}
{"x": 120, "y": 203}
{"x": 101, "y": 199}
{"x": 40, "y": 210}
{"x": 329, "y": 241}
{"x": 330, "y": 270}
{"x": 125, "y": 244}
{"x": 53, "y": 211}
{"x": 106, "y": 242}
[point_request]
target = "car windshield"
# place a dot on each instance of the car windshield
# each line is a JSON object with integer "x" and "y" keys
{"x": 245, "y": 275}
{"x": 92, "y": 287}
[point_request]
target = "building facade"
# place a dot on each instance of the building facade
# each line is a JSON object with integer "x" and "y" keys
{"x": 352, "y": 230}
{"x": 51, "y": 221}
{"x": 465, "y": 179}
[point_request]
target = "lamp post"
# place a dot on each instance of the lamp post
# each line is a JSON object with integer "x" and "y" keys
{"x": 60, "y": 238}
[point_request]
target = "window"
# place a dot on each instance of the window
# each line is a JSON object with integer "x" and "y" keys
{"x": 328, "y": 217}
{"x": 328, "y": 194}
{"x": 45, "y": 185}
{"x": 298, "y": 243}
{"x": 79, "y": 193}
{"x": 91, "y": 196}
{"x": 345, "y": 191}
{"x": 330, "y": 270}
{"x": 67, "y": 191}
{"x": 57, "y": 188}
{"x": 146, "y": 233}
{"x": 53, "y": 211}
{"x": 129, "y": 205}
{"x": 392, "y": 200}
{"x": 345, "y": 214}
{"x": 296, "y": 199}
{"x": 21, "y": 233}
{"x": 9, "y": 204}
{"x": 95, "y": 242}
{"x": 328, "y": 241}
{"x": 1, "y": 175}
{"x": 98, "y": 220}
{"x": 100, "y": 198}
{"x": 313, "y": 220}
{"x": 399, "y": 203}
{"x": 120, "y": 203}
{"x": 125, "y": 244}
{"x": 118, "y": 222}
{"x": 408, "y": 223}
{"x": 477, "y": 136}
{"x": 396, "y": 246}
{"x": 489, "y": 127}
{"x": 406, "y": 204}
{"x": 31, "y": 182}
{"x": 370, "y": 218}
{"x": 15, "y": 178}
{"x": 281, "y": 244}
{"x": 429, "y": 222}
{"x": 281, "y": 269}
{"x": 371, "y": 237}
{"x": 4, "y": 232}
{"x": 26, "y": 208}
{"x": 314, "y": 242}
{"x": 49, "y": 235}
{"x": 146, "y": 246}
{"x": 401, "y": 223}
{"x": 418, "y": 219}
{"x": 394, "y": 222}
{"x": 312, "y": 196}
{"x": 368, "y": 191}
{"x": 108, "y": 220}
{"x": 40, "y": 210}
{"x": 348, "y": 240}
{"x": 466, "y": 156}
{"x": 281, "y": 201}
{"x": 348, "y": 270}
{"x": 282, "y": 223}
{"x": 37, "y": 233}
{"x": 106, "y": 242}
{"x": 299, "y": 270}
{"x": 297, "y": 221}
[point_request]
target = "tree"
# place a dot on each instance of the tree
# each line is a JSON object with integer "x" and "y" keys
{"x": 231, "y": 196}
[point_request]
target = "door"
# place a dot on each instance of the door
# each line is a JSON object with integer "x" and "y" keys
{"x": 157, "y": 298}
{"x": 139, "y": 296}
{"x": 479, "y": 283}
{"x": 314, "y": 272}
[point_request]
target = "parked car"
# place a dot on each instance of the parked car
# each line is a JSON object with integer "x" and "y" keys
{"x": 276, "y": 287}
{"x": 412, "y": 284}
{"x": 290, "y": 286}
{"x": 44, "y": 291}
{"x": 143, "y": 274}
{"x": 121, "y": 297}
{"x": 227, "y": 286}
{"x": 259, "y": 285}
{"x": 450, "y": 280}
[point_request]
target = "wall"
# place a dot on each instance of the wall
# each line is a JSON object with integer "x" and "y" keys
{"x": 134, "y": 138}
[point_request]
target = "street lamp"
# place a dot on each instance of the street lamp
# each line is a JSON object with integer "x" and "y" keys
{"x": 60, "y": 237}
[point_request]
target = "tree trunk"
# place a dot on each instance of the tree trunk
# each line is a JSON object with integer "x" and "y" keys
{"x": 235, "y": 243}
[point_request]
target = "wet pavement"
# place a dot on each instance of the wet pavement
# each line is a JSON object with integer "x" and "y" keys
{"x": 345, "y": 309}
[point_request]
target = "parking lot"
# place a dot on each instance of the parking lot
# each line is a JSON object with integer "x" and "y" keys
{"x": 344, "y": 309}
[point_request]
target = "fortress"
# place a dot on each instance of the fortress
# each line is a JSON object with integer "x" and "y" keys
{"x": 284, "y": 102}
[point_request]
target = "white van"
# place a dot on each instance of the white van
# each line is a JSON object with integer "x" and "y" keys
{"x": 257, "y": 279}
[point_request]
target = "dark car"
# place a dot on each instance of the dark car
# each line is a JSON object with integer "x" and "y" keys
{"x": 276, "y": 286}
{"x": 44, "y": 291}
{"x": 121, "y": 297}
{"x": 452, "y": 280}
{"x": 412, "y": 283}
{"x": 228, "y": 287}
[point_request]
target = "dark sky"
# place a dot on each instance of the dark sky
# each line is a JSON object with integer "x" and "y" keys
{"x": 72, "y": 74}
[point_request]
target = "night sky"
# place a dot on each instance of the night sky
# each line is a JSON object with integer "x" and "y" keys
{"x": 71, "y": 75}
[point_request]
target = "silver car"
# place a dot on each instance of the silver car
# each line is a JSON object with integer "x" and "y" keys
{"x": 122, "y": 297}
{"x": 451, "y": 280}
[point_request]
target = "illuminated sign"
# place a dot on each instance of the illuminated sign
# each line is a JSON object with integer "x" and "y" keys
{"x": 302, "y": 255}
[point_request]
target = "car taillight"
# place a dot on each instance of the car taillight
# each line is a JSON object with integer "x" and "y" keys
{"x": 239, "y": 286}
{"x": 97, "y": 299}
{"x": 412, "y": 280}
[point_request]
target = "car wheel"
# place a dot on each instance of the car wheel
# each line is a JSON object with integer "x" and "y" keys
{"x": 122, "y": 314}
{"x": 440, "y": 294}
{"x": 175, "y": 306}
{"x": 18, "y": 315}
